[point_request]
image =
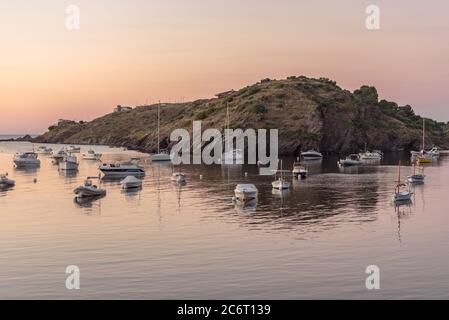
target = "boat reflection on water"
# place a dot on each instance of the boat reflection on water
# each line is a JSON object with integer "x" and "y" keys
{"x": 87, "y": 202}
{"x": 280, "y": 193}
{"x": 68, "y": 173}
{"x": 245, "y": 206}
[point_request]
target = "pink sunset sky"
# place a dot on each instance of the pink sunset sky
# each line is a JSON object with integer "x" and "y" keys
{"x": 135, "y": 51}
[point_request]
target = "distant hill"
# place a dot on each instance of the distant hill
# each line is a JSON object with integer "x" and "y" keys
{"x": 308, "y": 113}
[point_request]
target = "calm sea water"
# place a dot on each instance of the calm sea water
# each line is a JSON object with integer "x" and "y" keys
{"x": 194, "y": 242}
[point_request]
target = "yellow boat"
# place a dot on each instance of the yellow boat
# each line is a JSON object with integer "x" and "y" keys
{"x": 421, "y": 160}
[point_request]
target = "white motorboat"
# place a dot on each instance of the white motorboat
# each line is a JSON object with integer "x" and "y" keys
{"x": 121, "y": 170}
{"x": 246, "y": 192}
{"x": 402, "y": 192}
{"x": 26, "y": 159}
{"x": 351, "y": 160}
{"x": 89, "y": 190}
{"x": 69, "y": 163}
{"x": 299, "y": 170}
{"x": 311, "y": 155}
{"x": 178, "y": 177}
{"x": 5, "y": 182}
{"x": 280, "y": 184}
{"x": 131, "y": 182}
{"x": 434, "y": 152}
{"x": 370, "y": 156}
{"x": 43, "y": 150}
{"x": 92, "y": 155}
{"x": 161, "y": 155}
{"x": 73, "y": 149}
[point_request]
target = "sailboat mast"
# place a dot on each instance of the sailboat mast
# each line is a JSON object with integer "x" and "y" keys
{"x": 227, "y": 127}
{"x": 423, "y": 135}
{"x": 158, "y": 126}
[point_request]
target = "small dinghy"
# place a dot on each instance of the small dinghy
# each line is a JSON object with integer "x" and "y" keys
{"x": 5, "y": 182}
{"x": 417, "y": 178}
{"x": 245, "y": 192}
{"x": 131, "y": 182}
{"x": 89, "y": 190}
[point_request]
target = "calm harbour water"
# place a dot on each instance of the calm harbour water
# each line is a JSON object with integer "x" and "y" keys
{"x": 165, "y": 242}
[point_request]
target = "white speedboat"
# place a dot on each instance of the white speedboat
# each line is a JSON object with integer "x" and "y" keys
{"x": 131, "y": 182}
{"x": 299, "y": 170}
{"x": 26, "y": 159}
{"x": 178, "y": 177}
{"x": 89, "y": 190}
{"x": 43, "y": 150}
{"x": 92, "y": 155}
{"x": 5, "y": 182}
{"x": 370, "y": 156}
{"x": 69, "y": 163}
{"x": 121, "y": 170}
{"x": 351, "y": 160}
{"x": 311, "y": 155}
{"x": 245, "y": 192}
{"x": 73, "y": 149}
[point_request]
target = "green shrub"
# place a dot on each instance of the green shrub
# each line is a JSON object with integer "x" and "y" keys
{"x": 258, "y": 108}
{"x": 281, "y": 95}
{"x": 201, "y": 115}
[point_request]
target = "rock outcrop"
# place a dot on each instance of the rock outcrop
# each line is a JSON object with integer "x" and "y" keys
{"x": 309, "y": 113}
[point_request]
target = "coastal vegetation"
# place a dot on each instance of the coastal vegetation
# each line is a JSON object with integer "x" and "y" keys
{"x": 309, "y": 113}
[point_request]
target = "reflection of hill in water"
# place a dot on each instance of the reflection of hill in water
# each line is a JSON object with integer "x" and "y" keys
{"x": 321, "y": 200}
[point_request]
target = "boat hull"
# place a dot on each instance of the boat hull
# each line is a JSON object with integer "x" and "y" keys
{"x": 160, "y": 157}
{"x": 280, "y": 185}
{"x": 68, "y": 166}
{"x": 27, "y": 163}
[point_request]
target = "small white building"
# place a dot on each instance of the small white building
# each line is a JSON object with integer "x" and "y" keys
{"x": 120, "y": 108}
